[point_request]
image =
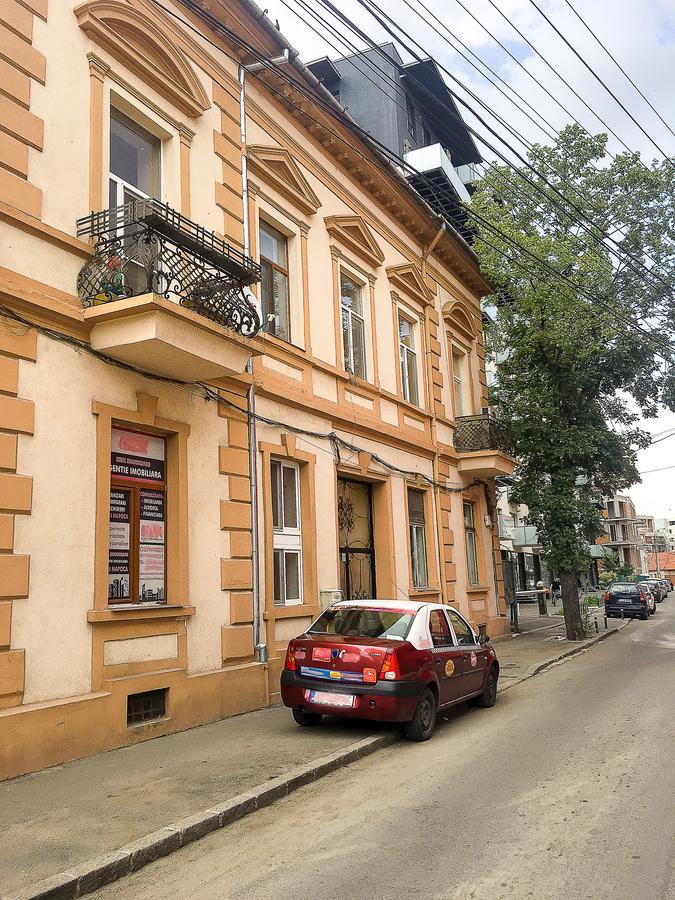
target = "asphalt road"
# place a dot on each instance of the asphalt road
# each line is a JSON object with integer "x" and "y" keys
{"x": 566, "y": 789}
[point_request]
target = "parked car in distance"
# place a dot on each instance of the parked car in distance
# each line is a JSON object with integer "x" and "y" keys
{"x": 629, "y": 598}
{"x": 390, "y": 661}
{"x": 656, "y": 587}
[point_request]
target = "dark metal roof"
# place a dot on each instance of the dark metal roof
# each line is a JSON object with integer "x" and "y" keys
{"x": 424, "y": 76}
{"x": 325, "y": 71}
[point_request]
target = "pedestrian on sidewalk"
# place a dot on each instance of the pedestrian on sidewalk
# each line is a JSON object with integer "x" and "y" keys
{"x": 556, "y": 590}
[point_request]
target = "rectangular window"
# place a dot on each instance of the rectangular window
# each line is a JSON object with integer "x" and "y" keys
{"x": 418, "y": 539}
{"x": 134, "y": 160}
{"x": 353, "y": 326}
{"x": 408, "y": 360}
{"x": 287, "y": 550}
{"x": 137, "y": 521}
{"x": 274, "y": 284}
{"x": 458, "y": 387}
{"x": 426, "y": 136}
{"x": 134, "y": 174}
{"x": 471, "y": 547}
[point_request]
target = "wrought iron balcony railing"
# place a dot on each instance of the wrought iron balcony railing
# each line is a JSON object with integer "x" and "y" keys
{"x": 482, "y": 432}
{"x": 147, "y": 247}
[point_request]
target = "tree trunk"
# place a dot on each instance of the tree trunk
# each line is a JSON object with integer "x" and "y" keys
{"x": 570, "y": 599}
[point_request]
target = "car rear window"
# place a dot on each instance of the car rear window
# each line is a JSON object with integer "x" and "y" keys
{"x": 624, "y": 589}
{"x": 364, "y": 622}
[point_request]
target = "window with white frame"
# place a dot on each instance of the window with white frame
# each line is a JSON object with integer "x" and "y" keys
{"x": 134, "y": 161}
{"x": 459, "y": 384}
{"x": 134, "y": 174}
{"x": 287, "y": 548}
{"x": 353, "y": 326}
{"x": 471, "y": 545}
{"x": 418, "y": 538}
{"x": 408, "y": 359}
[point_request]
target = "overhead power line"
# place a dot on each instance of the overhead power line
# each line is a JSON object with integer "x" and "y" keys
{"x": 619, "y": 66}
{"x": 379, "y": 15}
{"x": 381, "y": 51}
{"x": 597, "y": 77}
{"x": 270, "y": 65}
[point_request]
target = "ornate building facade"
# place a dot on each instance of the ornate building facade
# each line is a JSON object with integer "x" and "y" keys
{"x": 241, "y": 369}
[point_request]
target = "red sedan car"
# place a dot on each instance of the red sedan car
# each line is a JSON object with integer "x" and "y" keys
{"x": 388, "y": 660}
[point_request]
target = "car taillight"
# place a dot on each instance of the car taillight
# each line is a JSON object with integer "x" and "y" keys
{"x": 643, "y": 599}
{"x": 606, "y": 596}
{"x": 391, "y": 670}
{"x": 289, "y": 665}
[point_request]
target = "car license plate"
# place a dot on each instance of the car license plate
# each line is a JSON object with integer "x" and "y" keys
{"x": 625, "y": 600}
{"x": 325, "y": 698}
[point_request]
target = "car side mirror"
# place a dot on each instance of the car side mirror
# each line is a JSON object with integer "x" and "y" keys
{"x": 483, "y": 638}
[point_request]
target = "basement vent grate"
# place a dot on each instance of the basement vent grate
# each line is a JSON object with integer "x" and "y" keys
{"x": 146, "y": 706}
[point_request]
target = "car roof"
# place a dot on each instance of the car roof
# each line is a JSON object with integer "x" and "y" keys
{"x": 378, "y": 603}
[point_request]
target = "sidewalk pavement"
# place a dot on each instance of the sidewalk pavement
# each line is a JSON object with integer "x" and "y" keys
{"x": 542, "y": 641}
{"x": 84, "y": 823}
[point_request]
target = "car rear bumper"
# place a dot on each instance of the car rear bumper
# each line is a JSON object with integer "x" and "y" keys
{"x": 629, "y": 609}
{"x": 385, "y": 701}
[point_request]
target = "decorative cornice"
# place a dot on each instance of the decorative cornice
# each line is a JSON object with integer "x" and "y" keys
{"x": 408, "y": 278}
{"x": 146, "y": 49}
{"x": 353, "y": 233}
{"x": 459, "y": 316}
{"x": 277, "y": 168}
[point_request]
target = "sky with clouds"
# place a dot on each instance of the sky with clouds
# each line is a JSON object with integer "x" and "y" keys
{"x": 640, "y": 34}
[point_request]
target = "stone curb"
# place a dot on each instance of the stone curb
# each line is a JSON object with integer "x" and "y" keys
{"x": 536, "y": 668}
{"x": 101, "y": 870}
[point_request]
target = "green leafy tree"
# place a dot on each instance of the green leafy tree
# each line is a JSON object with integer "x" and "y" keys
{"x": 574, "y": 365}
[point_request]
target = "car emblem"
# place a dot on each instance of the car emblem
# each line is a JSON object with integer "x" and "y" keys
{"x": 335, "y": 654}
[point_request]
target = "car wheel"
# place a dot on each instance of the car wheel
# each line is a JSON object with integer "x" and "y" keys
{"x": 644, "y": 616}
{"x": 422, "y": 724}
{"x": 489, "y": 695}
{"x": 306, "y": 718}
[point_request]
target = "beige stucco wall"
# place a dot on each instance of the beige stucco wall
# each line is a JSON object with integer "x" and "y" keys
{"x": 51, "y": 625}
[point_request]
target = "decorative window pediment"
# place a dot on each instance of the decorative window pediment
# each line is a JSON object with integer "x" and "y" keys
{"x": 408, "y": 278}
{"x": 461, "y": 319}
{"x": 277, "y": 168}
{"x": 353, "y": 232}
{"x": 141, "y": 45}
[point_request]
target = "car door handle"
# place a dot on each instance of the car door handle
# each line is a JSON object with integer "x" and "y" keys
{"x": 438, "y": 660}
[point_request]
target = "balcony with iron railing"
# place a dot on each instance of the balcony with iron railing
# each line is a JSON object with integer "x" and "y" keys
{"x": 484, "y": 444}
{"x": 166, "y": 294}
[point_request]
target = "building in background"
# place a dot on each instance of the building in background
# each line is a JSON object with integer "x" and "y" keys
{"x": 621, "y": 532}
{"x": 662, "y": 564}
{"x": 410, "y": 111}
{"x": 168, "y": 273}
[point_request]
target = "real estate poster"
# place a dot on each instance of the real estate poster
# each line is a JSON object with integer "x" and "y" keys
{"x": 136, "y": 456}
{"x": 118, "y": 544}
{"x": 151, "y": 572}
{"x": 152, "y": 517}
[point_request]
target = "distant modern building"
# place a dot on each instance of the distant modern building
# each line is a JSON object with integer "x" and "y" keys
{"x": 408, "y": 108}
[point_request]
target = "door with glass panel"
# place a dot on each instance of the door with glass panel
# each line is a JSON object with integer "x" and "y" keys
{"x": 357, "y": 550}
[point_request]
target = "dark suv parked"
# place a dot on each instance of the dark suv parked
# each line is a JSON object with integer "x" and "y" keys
{"x": 627, "y": 597}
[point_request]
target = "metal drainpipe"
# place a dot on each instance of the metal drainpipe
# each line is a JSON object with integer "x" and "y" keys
{"x": 426, "y": 252}
{"x": 259, "y": 643}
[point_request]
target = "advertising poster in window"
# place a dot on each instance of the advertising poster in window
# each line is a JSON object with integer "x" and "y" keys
{"x": 139, "y": 457}
{"x": 151, "y": 549}
{"x": 119, "y": 544}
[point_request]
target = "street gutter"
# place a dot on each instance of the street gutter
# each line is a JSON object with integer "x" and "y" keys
{"x": 101, "y": 870}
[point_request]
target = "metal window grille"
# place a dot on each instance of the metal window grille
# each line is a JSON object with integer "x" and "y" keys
{"x": 146, "y": 706}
